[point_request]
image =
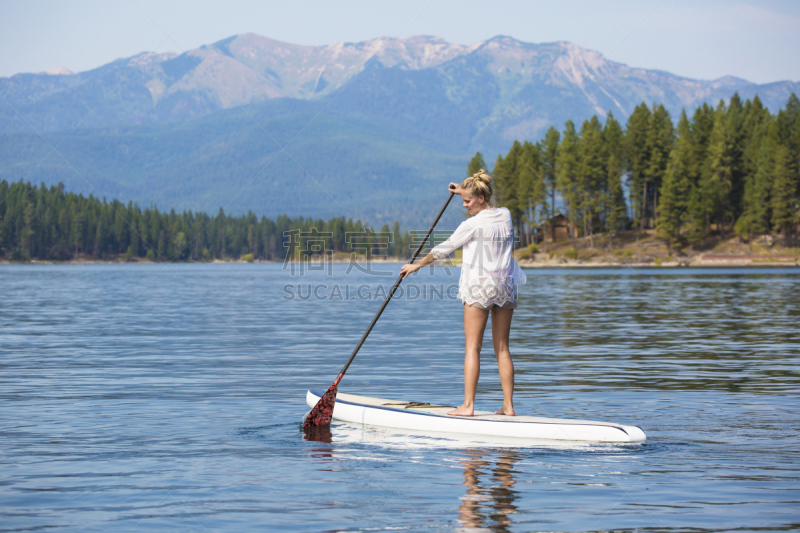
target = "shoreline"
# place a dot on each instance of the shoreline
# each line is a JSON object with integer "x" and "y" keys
{"x": 694, "y": 262}
{"x": 701, "y": 262}
{"x": 627, "y": 249}
{"x": 644, "y": 249}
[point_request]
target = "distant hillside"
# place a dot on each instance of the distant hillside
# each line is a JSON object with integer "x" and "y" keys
{"x": 336, "y": 167}
{"x": 379, "y": 125}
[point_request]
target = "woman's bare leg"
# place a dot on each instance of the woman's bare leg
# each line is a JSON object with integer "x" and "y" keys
{"x": 474, "y": 327}
{"x": 501, "y": 328}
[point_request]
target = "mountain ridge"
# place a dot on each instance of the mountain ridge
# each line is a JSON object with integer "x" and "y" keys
{"x": 359, "y": 118}
{"x": 249, "y": 68}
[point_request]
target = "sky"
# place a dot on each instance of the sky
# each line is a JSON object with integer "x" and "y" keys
{"x": 703, "y": 39}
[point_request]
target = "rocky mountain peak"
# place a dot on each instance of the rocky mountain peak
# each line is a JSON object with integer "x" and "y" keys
{"x": 149, "y": 58}
{"x": 578, "y": 64}
{"x": 422, "y": 51}
{"x": 58, "y": 71}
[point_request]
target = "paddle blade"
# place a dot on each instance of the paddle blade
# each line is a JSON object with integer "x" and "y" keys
{"x": 321, "y": 413}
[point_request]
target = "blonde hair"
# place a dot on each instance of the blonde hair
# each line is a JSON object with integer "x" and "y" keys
{"x": 480, "y": 184}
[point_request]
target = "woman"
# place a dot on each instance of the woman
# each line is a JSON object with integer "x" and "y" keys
{"x": 488, "y": 284}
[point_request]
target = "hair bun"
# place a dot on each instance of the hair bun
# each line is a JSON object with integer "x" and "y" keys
{"x": 482, "y": 176}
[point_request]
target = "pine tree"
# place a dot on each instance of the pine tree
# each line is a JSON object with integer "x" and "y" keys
{"x": 784, "y": 192}
{"x": 549, "y": 152}
{"x": 715, "y": 185}
{"x": 41, "y": 226}
{"x": 252, "y": 240}
{"x": 475, "y": 164}
{"x": 755, "y": 218}
{"x": 755, "y": 124}
{"x": 637, "y": 158}
{"x": 508, "y": 186}
{"x": 100, "y": 237}
{"x": 78, "y": 230}
{"x": 793, "y": 141}
{"x": 567, "y": 173}
{"x": 701, "y": 127}
{"x": 179, "y": 242}
{"x": 659, "y": 144}
{"x": 592, "y": 173}
{"x": 28, "y": 232}
{"x": 396, "y": 248}
{"x": 613, "y": 138}
{"x": 677, "y": 185}
{"x": 734, "y": 130}
{"x": 531, "y": 186}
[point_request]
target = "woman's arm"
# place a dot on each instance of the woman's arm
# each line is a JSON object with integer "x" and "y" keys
{"x": 410, "y": 268}
{"x": 463, "y": 234}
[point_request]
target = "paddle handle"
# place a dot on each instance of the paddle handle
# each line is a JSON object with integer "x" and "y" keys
{"x": 394, "y": 288}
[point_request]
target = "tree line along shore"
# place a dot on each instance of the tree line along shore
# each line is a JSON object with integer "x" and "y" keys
{"x": 725, "y": 183}
{"x": 733, "y": 169}
{"x": 41, "y": 223}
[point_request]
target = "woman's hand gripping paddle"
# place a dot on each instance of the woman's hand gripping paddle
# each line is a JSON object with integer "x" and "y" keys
{"x": 321, "y": 414}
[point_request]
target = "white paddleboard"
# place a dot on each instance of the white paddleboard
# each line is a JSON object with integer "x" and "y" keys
{"x": 425, "y": 417}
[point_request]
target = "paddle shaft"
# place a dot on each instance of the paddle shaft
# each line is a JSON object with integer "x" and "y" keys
{"x": 394, "y": 288}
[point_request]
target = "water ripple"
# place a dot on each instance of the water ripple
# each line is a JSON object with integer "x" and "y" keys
{"x": 169, "y": 397}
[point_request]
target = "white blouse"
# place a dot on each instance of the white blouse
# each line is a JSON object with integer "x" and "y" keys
{"x": 489, "y": 274}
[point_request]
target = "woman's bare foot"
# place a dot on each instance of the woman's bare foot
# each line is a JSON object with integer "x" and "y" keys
{"x": 462, "y": 411}
{"x": 504, "y": 411}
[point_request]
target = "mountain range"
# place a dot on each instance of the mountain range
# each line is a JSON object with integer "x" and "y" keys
{"x": 372, "y": 130}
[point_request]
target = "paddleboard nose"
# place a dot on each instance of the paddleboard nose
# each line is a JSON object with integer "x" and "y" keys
{"x": 635, "y": 433}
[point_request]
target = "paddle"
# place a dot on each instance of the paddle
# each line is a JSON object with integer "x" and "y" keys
{"x": 321, "y": 414}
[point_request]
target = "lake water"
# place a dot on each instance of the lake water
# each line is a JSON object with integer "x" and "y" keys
{"x": 170, "y": 397}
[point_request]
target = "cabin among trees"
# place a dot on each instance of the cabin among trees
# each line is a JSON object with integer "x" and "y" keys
{"x": 556, "y": 229}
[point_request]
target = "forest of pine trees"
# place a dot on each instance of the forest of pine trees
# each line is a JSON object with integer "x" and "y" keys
{"x": 730, "y": 169}
{"x": 733, "y": 168}
{"x": 42, "y": 223}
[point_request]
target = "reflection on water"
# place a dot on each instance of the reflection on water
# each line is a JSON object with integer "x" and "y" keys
{"x": 490, "y": 497}
{"x": 318, "y": 434}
